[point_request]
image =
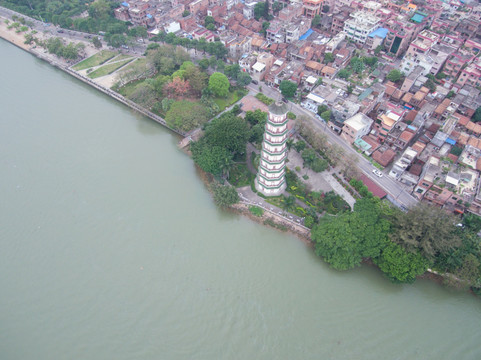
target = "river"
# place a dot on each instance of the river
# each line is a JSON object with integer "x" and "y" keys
{"x": 111, "y": 248}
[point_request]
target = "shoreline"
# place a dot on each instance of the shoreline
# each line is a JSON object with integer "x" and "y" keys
{"x": 242, "y": 208}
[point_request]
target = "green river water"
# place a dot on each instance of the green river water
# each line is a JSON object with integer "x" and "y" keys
{"x": 111, "y": 248}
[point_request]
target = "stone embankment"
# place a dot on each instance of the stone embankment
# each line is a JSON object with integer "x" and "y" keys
{"x": 17, "y": 39}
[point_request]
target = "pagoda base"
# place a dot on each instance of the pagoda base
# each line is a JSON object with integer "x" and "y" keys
{"x": 267, "y": 191}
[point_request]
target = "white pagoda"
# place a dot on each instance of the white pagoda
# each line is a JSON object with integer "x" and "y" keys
{"x": 270, "y": 179}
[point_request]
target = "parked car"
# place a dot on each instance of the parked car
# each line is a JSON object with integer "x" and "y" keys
{"x": 377, "y": 172}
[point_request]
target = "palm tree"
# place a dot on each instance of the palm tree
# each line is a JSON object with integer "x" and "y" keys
{"x": 226, "y": 166}
{"x": 288, "y": 203}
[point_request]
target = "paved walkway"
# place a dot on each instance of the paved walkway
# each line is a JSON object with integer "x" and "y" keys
{"x": 338, "y": 188}
{"x": 248, "y": 196}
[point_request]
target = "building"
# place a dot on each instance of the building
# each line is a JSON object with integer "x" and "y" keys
{"x": 311, "y": 8}
{"x": 360, "y": 25}
{"x": 270, "y": 179}
{"x": 356, "y": 127}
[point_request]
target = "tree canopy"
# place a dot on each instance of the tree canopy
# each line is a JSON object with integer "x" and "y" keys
{"x": 394, "y": 75}
{"x": 288, "y": 88}
{"x": 219, "y": 84}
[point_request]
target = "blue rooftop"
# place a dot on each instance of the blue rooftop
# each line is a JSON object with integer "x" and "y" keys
{"x": 306, "y": 35}
{"x": 451, "y": 141}
{"x": 125, "y": 4}
{"x": 381, "y": 32}
{"x": 149, "y": 16}
{"x": 417, "y": 18}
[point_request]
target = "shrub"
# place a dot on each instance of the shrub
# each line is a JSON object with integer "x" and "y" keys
{"x": 256, "y": 211}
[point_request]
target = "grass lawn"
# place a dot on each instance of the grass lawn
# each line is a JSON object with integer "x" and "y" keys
{"x": 129, "y": 88}
{"x": 107, "y": 69}
{"x": 222, "y": 103}
{"x": 95, "y": 60}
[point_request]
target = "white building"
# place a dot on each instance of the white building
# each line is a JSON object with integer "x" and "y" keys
{"x": 356, "y": 127}
{"x": 270, "y": 179}
{"x": 360, "y": 25}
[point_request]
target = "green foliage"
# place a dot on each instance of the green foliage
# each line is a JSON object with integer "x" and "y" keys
{"x": 328, "y": 58}
{"x": 186, "y": 13}
{"x": 299, "y": 145}
{"x": 343, "y": 241}
{"x": 229, "y": 132}
{"x": 394, "y": 75}
{"x": 431, "y": 85}
{"x": 291, "y": 116}
{"x": 186, "y": 115}
{"x": 399, "y": 265}
{"x": 326, "y": 115}
{"x": 232, "y": 71}
{"x": 256, "y": 211}
{"x": 288, "y": 88}
{"x": 210, "y": 158}
{"x": 243, "y": 79}
{"x": 224, "y": 196}
{"x": 316, "y": 20}
{"x": 344, "y": 74}
{"x": 266, "y": 100}
{"x": 456, "y": 150}
{"x": 472, "y": 222}
{"x": 319, "y": 165}
{"x": 450, "y": 94}
{"x": 309, "y": 155}
{"x": 321, "y": 109}
{"x": 56, "y": 46}
{"x": 219, "y": 84}
{"x": 477, "y": 115}
{"x": 309, "y": 221}
{"x": 427, "y": 229}
{"x": 357, "y": 65}
{"x": 261, "y": 9}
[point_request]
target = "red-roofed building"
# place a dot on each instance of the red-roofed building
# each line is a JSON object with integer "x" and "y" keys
{"x": 373, "y": 187}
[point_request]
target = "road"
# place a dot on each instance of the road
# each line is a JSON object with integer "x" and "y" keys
{"x": 394, "y": 188}
{"x": 391, "y": 186}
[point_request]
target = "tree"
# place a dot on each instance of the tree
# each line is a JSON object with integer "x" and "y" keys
{"x": 288, "y": 203}
{"x": 97, "y": 43}
{"x": 325, "y": 9}
{"x": 426, "y": 229}
{"x": 394, "y": 75}
{"x": 224, "y": 196}
{"x": 450, "y": 94}
{"x": 209, "y": 20}
{"x": 431, "y": 85}
{"x": 357, "y": 65}
{"x": 328, "y": 58}
{"x": 210, "y": 27}
{"x": 319, "y": 165}
{"x": 265, "y": 26}
{"x": 316, "y": 20}
{"x": 256, "y": 134}
{"x": 399, "y": 265}
{"x": 260, "y": 11}
{"x": 378, "y": 50}
{"x": 344, "y": 74}
{"x": 211, "y": 159}
{"x": 243, "y": 79}
{"x": 144, "y": 94}
{"x": 276, "y": 7}
{"x": 326, "y": 115}
{"x": 219, "y": 84}
{"x": 309, "y": 156}
{"x": 300, "y": 145}
{"x": 177, "y": 88}
{"x": 256, "y": 117}
{"x": 288, "y": 88}
{"x": 186, "y": 13}
{"x": 232, "y": 71}
{"x": 343, "y": 241}
{"x": 477, "y": 115}
{"x": 321, "y": 109}
{"x": 196, "y": 78}
{"x": 186, "y": 115}
{"x": 229, "y": 132}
